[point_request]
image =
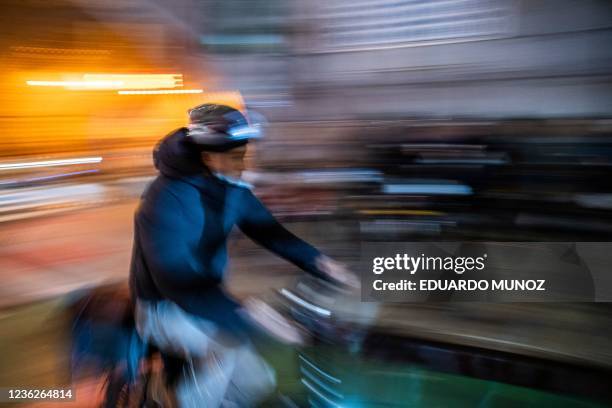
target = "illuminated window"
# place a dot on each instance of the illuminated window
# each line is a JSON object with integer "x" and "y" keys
{"x": 247, "y": 26}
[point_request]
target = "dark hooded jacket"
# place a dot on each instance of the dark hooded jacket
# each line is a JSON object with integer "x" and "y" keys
{"x": 181, "y": 229}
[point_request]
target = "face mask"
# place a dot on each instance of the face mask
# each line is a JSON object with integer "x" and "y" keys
{"x": 233, "y": 180}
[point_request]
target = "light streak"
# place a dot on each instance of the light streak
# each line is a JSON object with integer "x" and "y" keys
{"x": 78, "y": 84}
{"x": 116, "y": 81}
{"x": 161, "y": 92}
{"x": 49, "y": 163}
{"x": 323, "y": 373}
{"x": 140, "y": 81}
{"x": 296, "y": 299}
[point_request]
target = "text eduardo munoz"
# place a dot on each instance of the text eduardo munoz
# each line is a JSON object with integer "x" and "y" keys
{"x": 458, "y": 265}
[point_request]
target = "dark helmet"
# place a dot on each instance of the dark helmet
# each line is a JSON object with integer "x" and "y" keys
{"x": 218, "y": 128}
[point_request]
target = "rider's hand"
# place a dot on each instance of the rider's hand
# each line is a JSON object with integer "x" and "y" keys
{"x": 338, "y": 272}
{"x": 271, "y": 321}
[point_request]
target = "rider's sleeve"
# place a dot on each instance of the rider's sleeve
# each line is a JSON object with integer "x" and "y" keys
{"x": 261, "y": 226}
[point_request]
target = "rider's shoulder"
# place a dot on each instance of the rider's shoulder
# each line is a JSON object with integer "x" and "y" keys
{"x": 164, "y": 188}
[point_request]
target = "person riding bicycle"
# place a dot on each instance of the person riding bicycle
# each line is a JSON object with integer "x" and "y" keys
{"x": 179, "y": 256}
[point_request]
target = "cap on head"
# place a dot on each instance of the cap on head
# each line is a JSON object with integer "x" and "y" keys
{"x": 219, "y": 128}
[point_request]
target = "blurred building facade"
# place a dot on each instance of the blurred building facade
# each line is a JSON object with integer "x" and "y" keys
{"x": 64, "y": 40}
{"x": 373, "y": 58}
{"x": 299, "y": 61}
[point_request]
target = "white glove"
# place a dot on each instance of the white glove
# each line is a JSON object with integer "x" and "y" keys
{"x": 338, "y": 272}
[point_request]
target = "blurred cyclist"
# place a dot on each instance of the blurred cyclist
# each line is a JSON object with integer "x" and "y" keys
{"x": 179, "y": 256}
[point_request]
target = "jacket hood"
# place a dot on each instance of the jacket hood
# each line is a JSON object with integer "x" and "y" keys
{"x": 175, "y": 157}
